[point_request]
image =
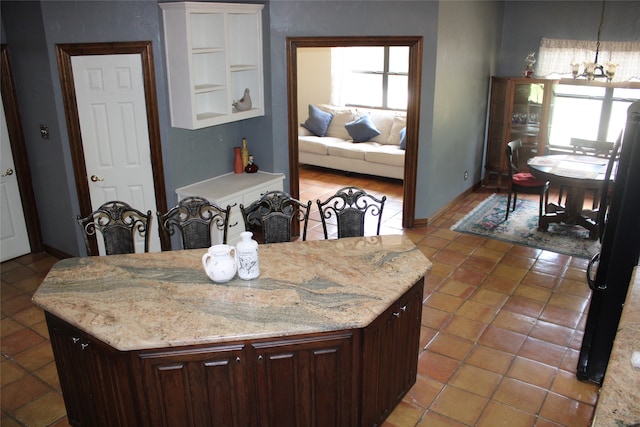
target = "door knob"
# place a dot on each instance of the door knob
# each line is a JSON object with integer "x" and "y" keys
{"x": 96, "y": 179}
{"x": 8, "y": 172}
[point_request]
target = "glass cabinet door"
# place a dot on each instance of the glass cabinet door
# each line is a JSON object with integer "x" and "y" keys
{"x": 528, "y": 100}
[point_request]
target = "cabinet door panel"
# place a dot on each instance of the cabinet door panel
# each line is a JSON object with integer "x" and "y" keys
{"x": 306, "y": 381}
{"x": 197, "y": 387}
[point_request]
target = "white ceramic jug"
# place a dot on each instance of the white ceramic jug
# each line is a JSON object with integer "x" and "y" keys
{"x": 219, "y": 263}
{"x": 247, "y": 254}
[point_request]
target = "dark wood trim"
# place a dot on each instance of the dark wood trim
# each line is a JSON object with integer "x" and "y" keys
{"x": 64, "y": 53}
{"x": 19, "y": 151}
{"x": 413, "y": 108}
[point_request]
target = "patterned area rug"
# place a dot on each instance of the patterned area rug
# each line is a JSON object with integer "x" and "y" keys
{"x": 487, "y": 219}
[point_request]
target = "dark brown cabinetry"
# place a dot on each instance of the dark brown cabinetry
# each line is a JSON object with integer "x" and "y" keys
{"x": 94, "y": 378}
{"x": 339, "y": 378}
{"x": 390, "y": 346}
{"x": 520, "y": 108}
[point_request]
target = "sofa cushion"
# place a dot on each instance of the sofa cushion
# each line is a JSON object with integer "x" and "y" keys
{"x": 385, "y": 154}
{"x": 341, "y": 116}
{"x": 349, "y": 150}
{"x": 318, "y": 121}
{"x": 399, "y": 122}
{"x": 318, "y": 144}
{"x": 362, "y": 129}
{"x": 383, "y": 121}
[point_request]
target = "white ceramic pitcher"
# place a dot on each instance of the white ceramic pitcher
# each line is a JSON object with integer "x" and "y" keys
{"x": 220, "y": 263}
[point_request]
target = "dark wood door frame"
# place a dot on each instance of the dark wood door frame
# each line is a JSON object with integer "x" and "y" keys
{"x": 19, "y": 151}
{"x": 413, "y": 107}
{"x": 64, "y": 53}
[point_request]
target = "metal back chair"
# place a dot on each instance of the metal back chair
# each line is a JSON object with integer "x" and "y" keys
{"x": 273, "y": 214}
{"x": 523, "y": 182}
{"x": 118, "y": 224}
{"x": 350, "y": 206}
{"x": 194, "y": 218}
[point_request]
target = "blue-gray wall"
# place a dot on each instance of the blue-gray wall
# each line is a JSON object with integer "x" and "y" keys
{"x": 464, "y": 44}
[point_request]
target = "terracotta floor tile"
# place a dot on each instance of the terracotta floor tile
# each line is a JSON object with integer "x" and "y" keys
{"x": 434, "y": 318}
{"x": 459, "y": 404}
{"x": 490, "y": 298}
{"x": 9, "y": 326}
{"x": 490, "y": 359}
{"x": 566, "y": 411}
{"x": 519, "y": 261}
{"x": 444, "y": 302}
{"x": 561, "y": 316}
{"x": 42, "y": 411}
{"x": 405, "y": 414}
{"x": 477, "y": 263}
{"x": 532, "y": 372}
{"x": 520, "y": 395}
{"x": 476, "y": 380}
{"x": 552, "y": 333}
{"x": 465, "y": 328}
{"x": 502, "y": 285}
{"x": 471, "y": 277}
{"x": 488, "y": 253}
{"x": 424, "y": 391}
{"x": 30, "y": 316}
{"x": 543, "y": 280}
{"x": 433, "y": 419}
{"x": 450, "y": 346}
{"x": 501, "y": 339}
{"x": 10, "y": 371}
{"x": 570, "y": 302}
{"x": 567, "y": 385}
{"x": 21, "y": 392}
{"x": 36, "y": 356}
{"x": 534, "y": 293}
{"x": 20, "y": 341}
{"x": 548, "y": 267}
{"x": 460, "y": 248}
{"x": 578, "y": 288}
{"x": 456, "y": 288}
{"x": 509, "y": 272}
{"x": 574, "y": 274}
{"x": 449, "y": 257}
{"x": 542, "y": 351}
{"x": 426, "y": 335}
{"x": 49, "y": 374}
{"x": 476, "y": 311}
{"x": 437, "y": 367}
{"x": 16, "y": 304}
{"x": 514, "y": 322}
{"x": 525, "y": 306}
{"x": 497, "y": 414}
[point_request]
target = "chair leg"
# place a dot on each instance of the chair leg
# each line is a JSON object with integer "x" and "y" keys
{"x": 508, "y": 205}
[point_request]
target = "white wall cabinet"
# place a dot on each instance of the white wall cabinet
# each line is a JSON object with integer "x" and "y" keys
{"x": 233, "y": 190}
{"x": 213, "y": 53}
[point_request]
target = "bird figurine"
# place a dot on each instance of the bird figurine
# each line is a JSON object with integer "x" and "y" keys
{"x": 244, "y": 103}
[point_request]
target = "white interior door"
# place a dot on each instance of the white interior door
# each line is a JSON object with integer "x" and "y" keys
{"x": 115, "y": 138}
{"x": 13, "y": 229}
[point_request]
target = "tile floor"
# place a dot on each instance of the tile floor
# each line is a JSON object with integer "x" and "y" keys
{"x": 501, "y": 328}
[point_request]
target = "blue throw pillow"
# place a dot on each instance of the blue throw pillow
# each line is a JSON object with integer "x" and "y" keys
{"x": 318, "y": 121}
{"x": 403, "y": 138}
{"x": 362, "y": 129}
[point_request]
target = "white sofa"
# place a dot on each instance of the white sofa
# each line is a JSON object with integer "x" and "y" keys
{"x": 381, "y": 155}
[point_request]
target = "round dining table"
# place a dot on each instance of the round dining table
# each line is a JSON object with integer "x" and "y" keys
{"x": 576, "y": 174}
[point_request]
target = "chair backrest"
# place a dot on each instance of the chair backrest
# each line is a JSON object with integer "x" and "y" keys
{"x": 273, "y": 214}
{"x": 194, "y": 218}
{"x": 513, "y": 157}
{"x": 591, "y": 148}
{"x": 118, "y": 224}
{"x": 350, "y": 206}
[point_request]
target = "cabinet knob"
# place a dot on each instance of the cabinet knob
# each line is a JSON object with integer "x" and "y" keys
{"x": 403, "y": 308}
{"x": 75, "y": 340}
{"x": 237, "y": 359}
{"x": 396, "y": 314}
{"x": 84, "y": 345}
{"x": 260, "y": 358}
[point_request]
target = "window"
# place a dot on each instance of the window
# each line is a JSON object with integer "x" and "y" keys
{"x": 371, "y": 76}
{"x": 589, "y": 112}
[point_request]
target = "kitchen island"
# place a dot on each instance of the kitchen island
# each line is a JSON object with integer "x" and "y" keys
{"x": 327, "y": 335}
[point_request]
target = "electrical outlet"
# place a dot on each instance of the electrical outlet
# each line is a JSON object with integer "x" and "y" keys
{"x": 44, "y": 131}
{"x": 466, "y": 175}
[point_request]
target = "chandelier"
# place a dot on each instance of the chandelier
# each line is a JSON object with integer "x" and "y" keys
{"x": 595, "y": 70}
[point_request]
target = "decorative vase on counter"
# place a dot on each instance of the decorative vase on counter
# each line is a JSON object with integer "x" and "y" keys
{"x": 237, "y": 161}
{"x": 251, "y": 166}
{"x": 245, "y": 153}
{"x": 219, "y": 263}
{"x": 247, "y": 254}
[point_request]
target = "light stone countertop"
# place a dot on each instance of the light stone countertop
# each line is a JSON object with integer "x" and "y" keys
{"x": 619, "y": 401}
{"x": 165, "y": 299}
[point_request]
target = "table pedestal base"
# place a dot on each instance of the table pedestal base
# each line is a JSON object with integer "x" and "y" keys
{"x": 572, "y": 213}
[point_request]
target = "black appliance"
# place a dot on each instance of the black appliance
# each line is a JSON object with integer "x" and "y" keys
{"x": 619, "y": 254}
